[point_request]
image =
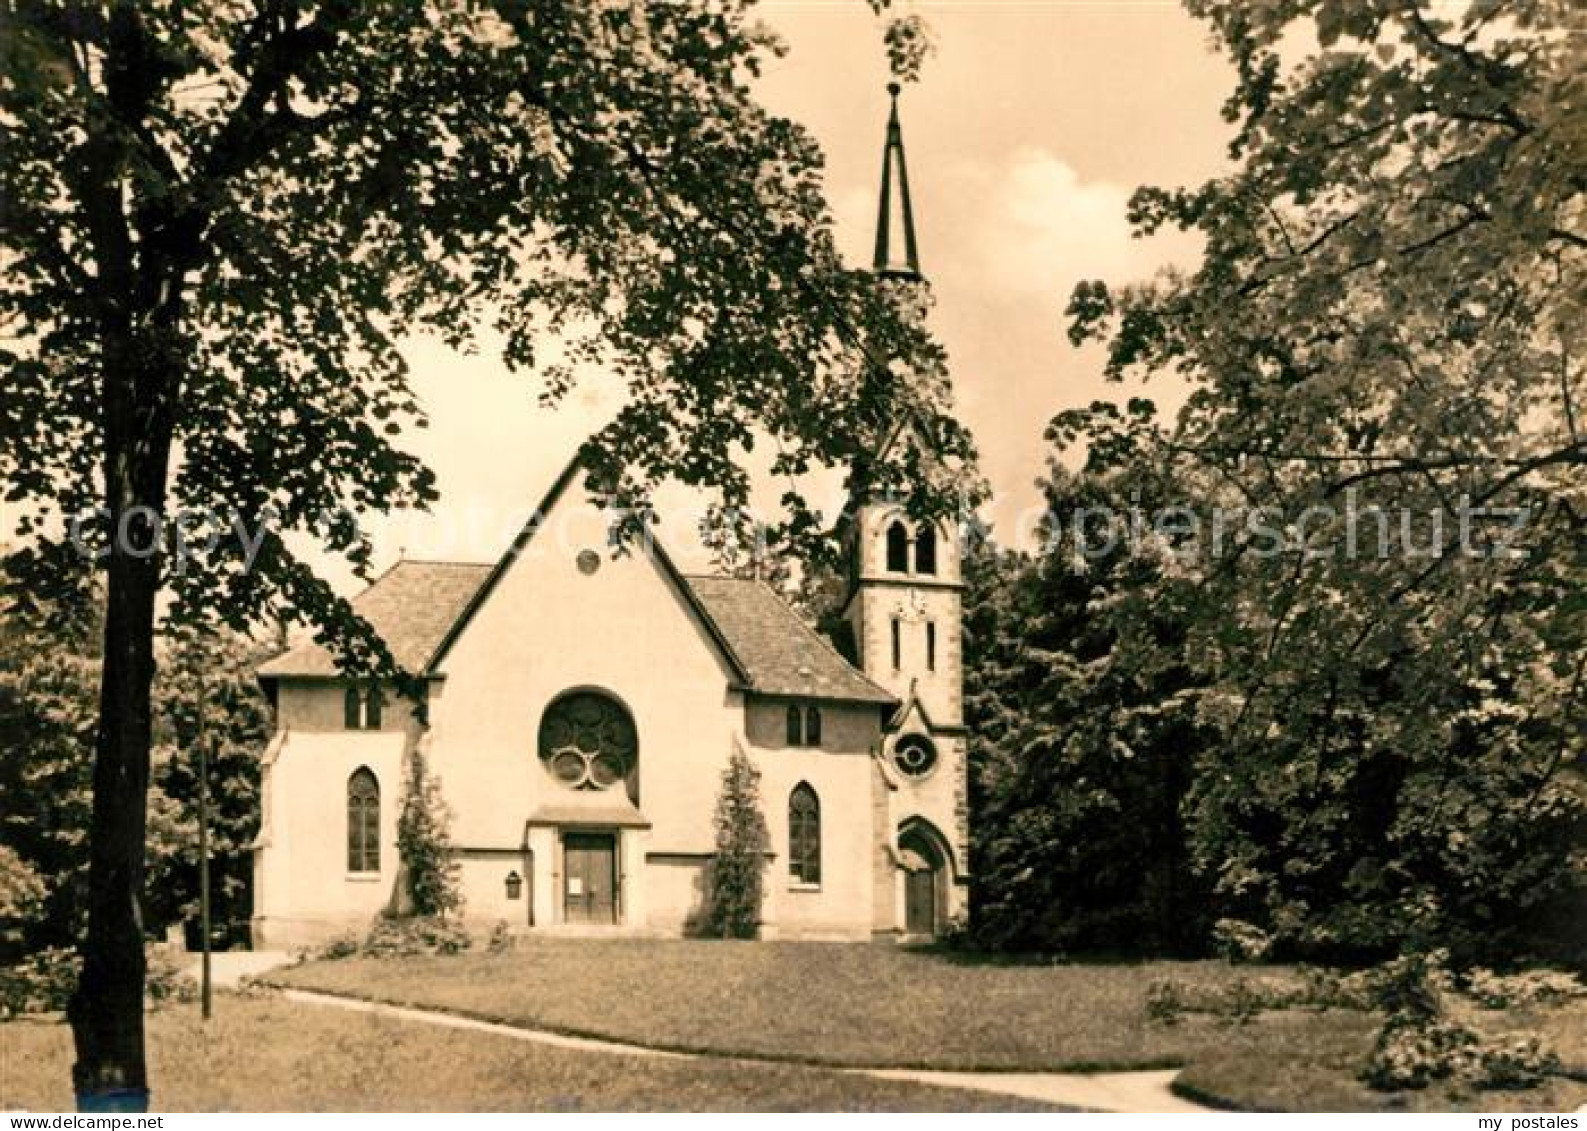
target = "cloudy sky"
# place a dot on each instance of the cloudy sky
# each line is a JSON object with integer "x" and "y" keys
{"x": 1029, "y": 129}
{"x": 1030, "y": 126}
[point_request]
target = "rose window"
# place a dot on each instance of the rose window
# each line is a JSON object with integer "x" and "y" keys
{"x": 587, "y": 741}
{"x": 915, "y": 755}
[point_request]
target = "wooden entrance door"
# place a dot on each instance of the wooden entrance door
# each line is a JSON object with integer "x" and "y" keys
{"x": 920, "y": 902}
{"x": 925, "y": 871}
{"x": 589, "y": 878}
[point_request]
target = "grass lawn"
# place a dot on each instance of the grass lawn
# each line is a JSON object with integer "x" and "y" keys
{"x": 823, "y": 1003}
{"x": 854, "y": 1005}
{"x": 263, "y": 1054}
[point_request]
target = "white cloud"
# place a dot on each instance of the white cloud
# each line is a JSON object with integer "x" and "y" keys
{"x": 1040, "y": 228}
{"x": 854, "y": 223}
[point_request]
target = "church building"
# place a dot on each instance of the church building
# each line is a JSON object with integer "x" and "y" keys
{"x": 581, "y": 709}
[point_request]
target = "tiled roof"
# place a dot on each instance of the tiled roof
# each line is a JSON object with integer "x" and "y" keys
{"x": 411, "y": 606}
{"x": 414, "y": 606}
{"x": 782, "y": 654}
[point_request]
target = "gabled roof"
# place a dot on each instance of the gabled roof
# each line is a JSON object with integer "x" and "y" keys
{"x": 914, "y": 705}
{"x": 496, "y": 572}
{"x": 911, "y": 705}
{"x": 781, "y": 654}
{"x": 411, "y": 607}
{"x": 521, "y": 541}
{"x": 420, "y": 608}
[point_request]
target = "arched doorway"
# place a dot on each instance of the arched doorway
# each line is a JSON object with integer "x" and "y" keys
{"x": 925, "y": 869}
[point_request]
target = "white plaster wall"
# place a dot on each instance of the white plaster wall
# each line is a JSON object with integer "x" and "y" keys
{"x": 548, "y": 628}
{"x": 483, "y": 880}
{"x": 546, "y": 866}
{"x": 850, "y": 728}
{"x": 675, "y": 888}
{"x": 842, "y": 904}
{"x": 303, "y": 891}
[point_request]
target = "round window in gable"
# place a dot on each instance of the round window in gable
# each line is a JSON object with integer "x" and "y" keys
{"x": 588, "y": 562}
{"x": 587, "y": 741}
{"x": 915, "y": 755}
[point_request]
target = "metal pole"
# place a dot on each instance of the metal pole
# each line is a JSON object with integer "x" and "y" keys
{"x": 203, "y": 846}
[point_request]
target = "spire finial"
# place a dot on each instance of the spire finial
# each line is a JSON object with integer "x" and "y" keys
{"x": 896, "y": 253}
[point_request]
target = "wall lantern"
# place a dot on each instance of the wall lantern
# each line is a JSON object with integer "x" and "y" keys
{"x": 514, "y": 885}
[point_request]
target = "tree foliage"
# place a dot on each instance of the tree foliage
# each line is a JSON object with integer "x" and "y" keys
{"x": 1084, "y": 736}
{"x": 206, "y": 692}
{"x": 281, "y": 197}
{"x": 220, "y": 220}
{"x": 49, "y": 695}
{"x": 49, "y": 690}
{"x": 22, "y": 892}
{"x": 1383, "y": 342}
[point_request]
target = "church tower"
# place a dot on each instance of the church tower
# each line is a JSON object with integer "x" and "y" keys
{"x": 904, "y": 613}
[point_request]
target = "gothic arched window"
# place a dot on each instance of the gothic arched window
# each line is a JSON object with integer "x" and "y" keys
{"x": 363, "y": 822}
{"x": 813, "y": 726}
{"x": 897, "y": 548}
{"x": 926, "y": 549}
{"x": 804, "y": 835}
{"x": 352, "y": 709}
{"x": 796, "y": 734}
{"x": 373, "y": 701}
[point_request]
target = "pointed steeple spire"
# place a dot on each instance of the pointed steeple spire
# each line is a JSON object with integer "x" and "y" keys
{"x": 896, "y": 253}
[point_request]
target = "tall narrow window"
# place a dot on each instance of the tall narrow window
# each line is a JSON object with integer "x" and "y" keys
{"x": 926, "y": 549}
{"x": 804, "y": 835}
{"x": 898, "y": 645}
{"x": 363, "y": 822}
{"x": 796, "y": 736}
{"x": 931, "y": 646}
{"x": 897, "y": 548}
{"x": 352, "y": 709}
{"x": 373, "y": 702}
{"x": 813, "y": 726}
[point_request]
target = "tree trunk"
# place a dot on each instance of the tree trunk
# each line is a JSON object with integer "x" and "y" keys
{"x": 138, "y": 299}
{"x": 107, "y": 1009}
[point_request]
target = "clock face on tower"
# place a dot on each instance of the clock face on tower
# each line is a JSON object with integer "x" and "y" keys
{"x": 911, "y": 607}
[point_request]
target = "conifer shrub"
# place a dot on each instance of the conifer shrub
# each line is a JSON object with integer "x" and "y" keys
{"x": 424, "y": 845}
{"x": 739, "y": 866}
